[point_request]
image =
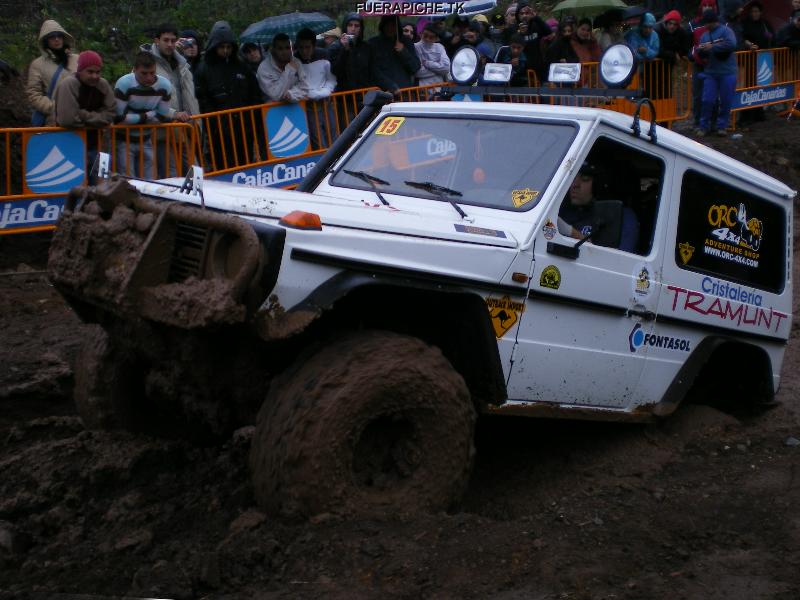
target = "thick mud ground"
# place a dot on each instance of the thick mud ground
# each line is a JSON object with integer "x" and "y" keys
{"x": 703, "y": 505}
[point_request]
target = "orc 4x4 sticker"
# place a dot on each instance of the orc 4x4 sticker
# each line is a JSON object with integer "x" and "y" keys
{"x": 734, "y": 238}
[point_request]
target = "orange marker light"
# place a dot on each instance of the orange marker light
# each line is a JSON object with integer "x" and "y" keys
{"x": 519, "y": 277}
{"x": 299, "y": 219}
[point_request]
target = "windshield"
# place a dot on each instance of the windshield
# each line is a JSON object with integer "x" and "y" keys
{"x": 494, "y": 162}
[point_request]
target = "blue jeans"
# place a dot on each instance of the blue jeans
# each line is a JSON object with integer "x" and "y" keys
{"x": 139, "y": 152}
{"x": 715, "y": 87}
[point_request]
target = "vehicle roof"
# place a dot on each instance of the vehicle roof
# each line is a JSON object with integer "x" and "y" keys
{"x": 666, "y": 138}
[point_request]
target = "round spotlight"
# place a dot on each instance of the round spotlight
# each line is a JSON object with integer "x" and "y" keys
{"x": 617, "y": 66}
{"x": 465, "y": 66}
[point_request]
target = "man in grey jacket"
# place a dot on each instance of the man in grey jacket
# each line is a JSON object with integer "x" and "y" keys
{"x": 171, "y": 65}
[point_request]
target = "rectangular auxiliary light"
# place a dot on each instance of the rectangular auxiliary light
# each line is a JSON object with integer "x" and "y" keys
{"x": 565, "y": 72}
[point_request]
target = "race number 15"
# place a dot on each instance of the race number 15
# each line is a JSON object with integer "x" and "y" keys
{"x": 389, "y": 126}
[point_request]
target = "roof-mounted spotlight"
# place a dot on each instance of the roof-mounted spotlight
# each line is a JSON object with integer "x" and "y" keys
{"x": 617, "y": 66}
{"x": 465, "y": 66}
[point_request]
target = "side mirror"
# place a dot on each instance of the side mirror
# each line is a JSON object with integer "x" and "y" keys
{"x": 607, "y": 223}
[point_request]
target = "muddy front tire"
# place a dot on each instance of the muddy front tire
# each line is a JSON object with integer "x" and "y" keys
{"x": 375, "y": 423}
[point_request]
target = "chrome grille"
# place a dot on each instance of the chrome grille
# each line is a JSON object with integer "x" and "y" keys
{"x": 188, "y": 253}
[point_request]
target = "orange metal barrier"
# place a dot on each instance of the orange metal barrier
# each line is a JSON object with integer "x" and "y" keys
{"x": 422, "y": 93}
{"x": 166, "y": 145}
{"x": 38, "y": 165}
{"x": 238, "y": 138}
{"x": 785, "y": 67}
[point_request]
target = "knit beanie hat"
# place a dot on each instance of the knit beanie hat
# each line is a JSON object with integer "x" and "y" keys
{"x": 89, "y": 58}
{"x": 672, "y": 15}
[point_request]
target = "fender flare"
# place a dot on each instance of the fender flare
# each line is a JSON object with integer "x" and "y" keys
{"x": 693, "y": 366}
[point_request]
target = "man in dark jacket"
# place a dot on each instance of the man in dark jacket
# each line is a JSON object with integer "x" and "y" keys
{"x": 674, "y": 44}
{"x": 534, "y": 30}
{"x": 251, "y": 55}
{"x": 352, "y": 62}
{"x": 789, "y": 35}
{"x": 224, "y": 82}
{"x": 396, "y": 61}
{"x": 351, "y": 56}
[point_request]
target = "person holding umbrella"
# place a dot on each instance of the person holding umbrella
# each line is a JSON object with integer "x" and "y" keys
{"x": 396, "y": 61}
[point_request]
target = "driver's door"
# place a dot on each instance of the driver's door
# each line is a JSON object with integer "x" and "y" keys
{"x": 580, "y": 338}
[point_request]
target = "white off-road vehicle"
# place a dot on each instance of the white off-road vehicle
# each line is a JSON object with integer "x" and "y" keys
{"x": 434, "y": 266}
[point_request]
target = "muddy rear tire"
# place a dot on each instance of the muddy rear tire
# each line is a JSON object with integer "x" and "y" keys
{"x": 107, "y": 384}
{"x": 375, "y": 423}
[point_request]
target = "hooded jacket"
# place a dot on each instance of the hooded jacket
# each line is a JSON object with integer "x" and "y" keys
{"x": 181, "y": 78}
{"x": 672, "y": 45}
{"x": 395, "y": 69}
{"x": 353, "y": 66}
{"x": 636, "y": 39}
{"x": 42, "y": 69}
{"x": 223, "y": 83}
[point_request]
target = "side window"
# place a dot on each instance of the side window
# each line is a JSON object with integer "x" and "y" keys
{"x": 616, "y": 183}
{"x": 729, "y": 233}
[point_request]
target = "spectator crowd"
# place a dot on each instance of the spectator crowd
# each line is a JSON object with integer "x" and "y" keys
{"x": 176, "y": 76}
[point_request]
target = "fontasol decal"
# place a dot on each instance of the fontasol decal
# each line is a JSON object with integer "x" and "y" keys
{"x": 34, "y": 212}
{"x": 54, "y": 162}
{"x": 278, "y": 174}
{"x": 638, "y": 338}
{"x": 287, "y": 130}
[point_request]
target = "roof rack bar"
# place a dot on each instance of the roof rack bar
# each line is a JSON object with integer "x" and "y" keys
{"x": 542, "y": 92}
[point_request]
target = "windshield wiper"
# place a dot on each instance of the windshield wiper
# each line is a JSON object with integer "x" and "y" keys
{"x": 442, "y": 192}
{"x": 371, "y": 180}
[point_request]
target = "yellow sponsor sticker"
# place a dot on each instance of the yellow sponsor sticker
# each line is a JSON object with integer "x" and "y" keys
{"x": 523, "y": 196}
{"x": 550, "y": 277}
{"x": 389, "y": 126}
{"x": 686, "y": 250}
{"x": 504, "y": 313}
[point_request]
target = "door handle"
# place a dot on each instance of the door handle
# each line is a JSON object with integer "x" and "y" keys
{"x": 646, "y": 315}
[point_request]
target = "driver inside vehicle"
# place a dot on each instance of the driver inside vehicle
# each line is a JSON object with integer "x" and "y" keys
{"x": 577, "y": 215}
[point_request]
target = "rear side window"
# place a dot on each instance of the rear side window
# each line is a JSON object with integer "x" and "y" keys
{"x": 726, "y": 232}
